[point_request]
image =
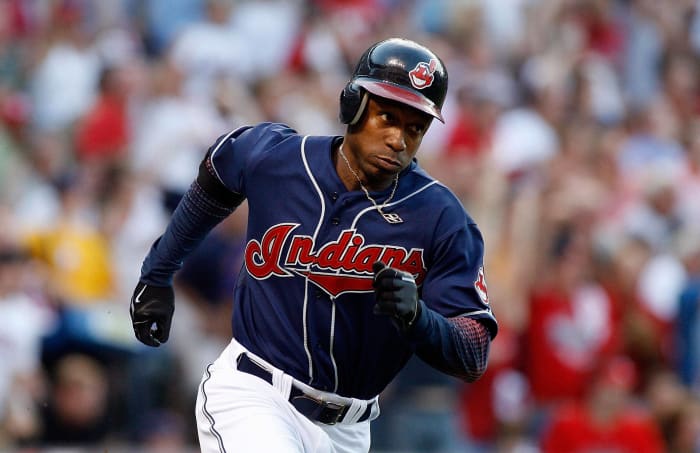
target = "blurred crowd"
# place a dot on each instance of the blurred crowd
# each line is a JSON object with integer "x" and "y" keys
{"x": 572, "y": 135}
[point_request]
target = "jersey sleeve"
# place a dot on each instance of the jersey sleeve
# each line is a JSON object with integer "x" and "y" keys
{"x": 234, "y": 155}
{"x": 455, "y": 284}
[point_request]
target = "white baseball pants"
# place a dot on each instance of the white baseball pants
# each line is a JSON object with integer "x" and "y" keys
{"x": 239, "y": 413}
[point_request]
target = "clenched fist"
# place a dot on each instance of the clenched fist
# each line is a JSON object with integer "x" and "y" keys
{"x": 396, "y": 295}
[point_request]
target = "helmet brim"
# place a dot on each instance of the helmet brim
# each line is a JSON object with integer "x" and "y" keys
{"x": 400, "y": 94}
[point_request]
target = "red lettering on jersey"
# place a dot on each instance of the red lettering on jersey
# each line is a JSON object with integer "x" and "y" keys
{"x": 330, "y": 254}
{"x": 366, "y": 257}
{"x": 394, "y": 257}
{"x": 344, "y": 265}
{"x": 413, "y": 264}
{"x": 300, "y": 251}
{"x": 348, "y": 258}
{"x": 480, "y": 285}
{"x": 262, "y": 258}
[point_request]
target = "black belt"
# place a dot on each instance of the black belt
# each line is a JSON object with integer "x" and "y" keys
{"x": 313, "y": 408}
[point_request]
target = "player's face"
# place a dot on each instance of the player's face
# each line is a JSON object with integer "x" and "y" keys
{"x": 386, "y": 140}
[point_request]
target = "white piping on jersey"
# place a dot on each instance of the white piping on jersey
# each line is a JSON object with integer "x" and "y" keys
{"x": 477, "y": 312}
{"x": 373, "y": 208}
{"x": 330, "y": 347}
{"x": 313, "y": 239}
{"x": 211, "y": 157}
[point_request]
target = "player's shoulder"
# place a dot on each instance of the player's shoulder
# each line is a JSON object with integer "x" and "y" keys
{"x": 265, "y": 133}
{"x": 253, "y": 141}
{"x": 436, "y": 194}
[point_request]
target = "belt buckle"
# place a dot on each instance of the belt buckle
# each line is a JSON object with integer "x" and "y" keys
{"x": 326, "y": 412}
{"x": 330, "y": 413}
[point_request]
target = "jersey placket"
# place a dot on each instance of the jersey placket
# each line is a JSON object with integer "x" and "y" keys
{"x": 342, "y": 208}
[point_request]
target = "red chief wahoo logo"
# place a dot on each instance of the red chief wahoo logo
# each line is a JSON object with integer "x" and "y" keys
{"x": 422, "y": 75}
{"x": 337, "y": 267}
{"x": 480, "y": 285}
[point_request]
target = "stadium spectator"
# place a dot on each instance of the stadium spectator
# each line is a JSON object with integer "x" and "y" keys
{"x": 608, "y": 419}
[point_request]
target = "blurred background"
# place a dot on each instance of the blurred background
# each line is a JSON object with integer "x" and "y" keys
{"x": 572, "y": 136}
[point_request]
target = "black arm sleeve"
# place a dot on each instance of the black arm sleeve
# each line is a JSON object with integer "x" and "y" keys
{"x": 215, "y": 189}
{"x": 204, "y": 205}
{"x": 457, "y": 346}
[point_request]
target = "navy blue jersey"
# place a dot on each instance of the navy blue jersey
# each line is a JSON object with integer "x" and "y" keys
{"x": 304, "y": 300}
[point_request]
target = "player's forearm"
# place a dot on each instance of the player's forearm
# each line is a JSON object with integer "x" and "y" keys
{"x": 204, "y": 205}
{"x": 457, "y": 346}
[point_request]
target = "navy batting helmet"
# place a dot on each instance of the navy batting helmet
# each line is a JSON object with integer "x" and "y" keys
{"x": 400, "y": 70}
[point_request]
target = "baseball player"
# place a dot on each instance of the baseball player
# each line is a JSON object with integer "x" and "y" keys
{"x": 355, "y": 260}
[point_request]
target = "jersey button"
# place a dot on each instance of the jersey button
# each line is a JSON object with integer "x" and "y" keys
{"x": 335, "y": 221}
{"x": 334, "y": 196}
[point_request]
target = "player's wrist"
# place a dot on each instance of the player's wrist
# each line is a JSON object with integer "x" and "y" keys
{"x": 417, "y": 312}
{"x": 421, "y": 322}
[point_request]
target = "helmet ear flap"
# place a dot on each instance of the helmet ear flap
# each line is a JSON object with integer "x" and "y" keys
{"x": 353, "y": 100}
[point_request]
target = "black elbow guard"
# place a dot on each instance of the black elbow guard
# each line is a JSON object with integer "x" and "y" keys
{"x": 211, "y": 184}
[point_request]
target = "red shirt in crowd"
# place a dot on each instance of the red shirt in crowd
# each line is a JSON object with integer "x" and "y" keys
{"x": 567, "y": 337}
{"x": 574, "y": 431}
{"x": 104, "y": 131}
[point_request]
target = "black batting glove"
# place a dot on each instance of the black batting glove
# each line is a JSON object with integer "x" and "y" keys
{"x": 396, "y": 295}
{"x": 151, "y": 312}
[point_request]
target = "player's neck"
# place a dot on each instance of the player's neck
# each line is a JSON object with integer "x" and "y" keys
{"x": 351, "y": 175}
{"x": 346, "y": 176}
